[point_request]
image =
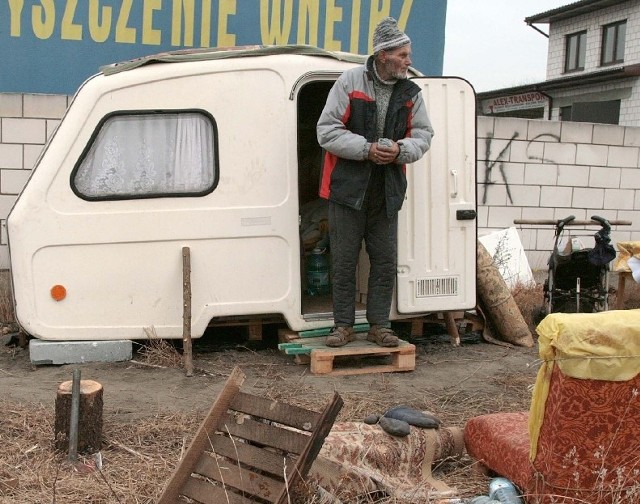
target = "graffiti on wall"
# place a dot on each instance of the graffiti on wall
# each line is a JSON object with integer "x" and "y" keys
{"x": 499, "y": 160}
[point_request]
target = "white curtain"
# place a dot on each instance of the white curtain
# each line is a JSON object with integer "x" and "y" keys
{"x": 149, "y": 154}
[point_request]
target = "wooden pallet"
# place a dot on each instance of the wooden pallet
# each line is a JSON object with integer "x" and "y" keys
{"x": 323, "y": 360}
{"x": 451, "y": 320}
{"x": 249, "y": 449}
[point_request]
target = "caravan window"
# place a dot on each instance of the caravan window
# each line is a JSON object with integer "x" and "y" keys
{"x": 138, "y": 155}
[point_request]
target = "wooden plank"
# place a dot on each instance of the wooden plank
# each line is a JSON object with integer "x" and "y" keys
{"x": 207, "y": 493}
{"x": 402, "y": 359}
{"x": 255, "y": 330}
{"x": 264, "y": 434}
{"x": 304, "y": 462}
{"x": 182, "y": 473}
{"x": 549, "y": 222}
{"x": 417, "y": 326}
{"x": 359, "y": 346}
{"x": 324, "y": 331}
{"x": 287, "y": 335}
{"x": 230, "y": 475}
{"x": 285, "y": 414}
{"x": 302, "y": 359}
{"x": 294, "y": 348}
{"x": 253, "y": 456}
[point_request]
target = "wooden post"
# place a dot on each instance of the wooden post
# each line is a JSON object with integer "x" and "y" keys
{"x": 89, "y": 426}
{"x": 186, "y": 315}
{"x": 452, "y": 329}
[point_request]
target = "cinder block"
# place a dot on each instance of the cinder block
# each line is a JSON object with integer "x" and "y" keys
{"x": 485, "y": 126}
{"x": 626, "y": 157}
{"x": 608, "y": 134}
{"x": 10, "y": 156}
{"x": 559, "y": 153}
{"x": 10, "y": 105}
{"x": 77, "y": 352}
{"x": 576, "y": 132}
{"x": 23, "y": 131}
{"x": 592, "y": 155}
{"x": 544, "y": 131}
{"x": 12, "y": 181}
{"x": 31, "y": 155}
{"x": 45, "y": 106}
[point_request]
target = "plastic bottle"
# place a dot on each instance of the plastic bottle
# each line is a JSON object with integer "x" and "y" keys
{"x": 317, "y": 268}
{"x": 502, "y": 490}
{"x": 483, "y": 499}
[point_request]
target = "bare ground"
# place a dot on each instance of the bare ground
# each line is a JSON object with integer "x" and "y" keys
{"x": 453, "y": 383}
{"x": 151, "y": 409}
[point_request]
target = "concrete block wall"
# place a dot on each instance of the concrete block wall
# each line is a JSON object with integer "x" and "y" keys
{"x": 534, "y": 169}
{"x": 26, "y": 122}
{"x": 527, "y": 169}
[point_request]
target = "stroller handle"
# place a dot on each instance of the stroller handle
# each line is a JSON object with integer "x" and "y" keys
{"x": 563, "y": 222}
{"x": 603, "y": 222}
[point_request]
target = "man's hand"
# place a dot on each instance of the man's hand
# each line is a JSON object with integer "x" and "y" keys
{"x": 380, "y": 154}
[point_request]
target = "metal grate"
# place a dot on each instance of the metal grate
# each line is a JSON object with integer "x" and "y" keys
{"x": 442, "y": 286}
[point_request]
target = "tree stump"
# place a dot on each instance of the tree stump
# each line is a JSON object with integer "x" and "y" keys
{"x": 89, "y": 417}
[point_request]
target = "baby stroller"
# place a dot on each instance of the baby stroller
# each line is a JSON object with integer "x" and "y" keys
{"x": 578, "y": 280}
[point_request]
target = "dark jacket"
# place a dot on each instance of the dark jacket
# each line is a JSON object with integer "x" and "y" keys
{"x": 347, "y": 127}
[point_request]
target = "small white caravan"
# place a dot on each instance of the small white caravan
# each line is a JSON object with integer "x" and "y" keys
{"x": 216, "y": 150}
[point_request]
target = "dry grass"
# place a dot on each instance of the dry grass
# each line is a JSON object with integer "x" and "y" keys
{"x": 529, "y": 298}
{"x": 157, "y": 352}
{"x": 7, "y": 314}
{"x": 138, "y": 456}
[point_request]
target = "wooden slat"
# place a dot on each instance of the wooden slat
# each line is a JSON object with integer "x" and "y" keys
{"x": 250, "y": 455}
{"x": 208, "y": 426}
{"x": 304, "y": 462}
{"x": 230, "y": 475}
{"x": 207, "y": 493}
{"x": 269, "y": 409}
{"x": 264, "y": 434}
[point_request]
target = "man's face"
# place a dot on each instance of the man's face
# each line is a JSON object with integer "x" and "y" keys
{"x": 396, "y": 61}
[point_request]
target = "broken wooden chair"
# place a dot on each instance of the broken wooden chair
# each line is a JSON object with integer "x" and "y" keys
{"x": 249, "y": 449}
{"x": 579, "y": 441}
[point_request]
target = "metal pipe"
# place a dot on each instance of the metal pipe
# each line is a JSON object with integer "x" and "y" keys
{"x": 538, "y": 30}
{"x": 75, "y": 414}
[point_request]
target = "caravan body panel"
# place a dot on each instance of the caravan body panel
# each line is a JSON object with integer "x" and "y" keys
{"x": 119, "y": 260}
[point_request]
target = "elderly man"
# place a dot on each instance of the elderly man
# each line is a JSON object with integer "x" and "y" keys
{"x": 374, "y": 122}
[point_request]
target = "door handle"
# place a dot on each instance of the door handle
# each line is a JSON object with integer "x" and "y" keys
{"x": 465, "y": 214}
{"x": 454, "y": 194}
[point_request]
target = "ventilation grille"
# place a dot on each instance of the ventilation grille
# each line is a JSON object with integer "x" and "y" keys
{"x": 431, "y": 287}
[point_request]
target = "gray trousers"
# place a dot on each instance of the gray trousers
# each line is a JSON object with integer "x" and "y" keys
{"x": 347, "y": 229}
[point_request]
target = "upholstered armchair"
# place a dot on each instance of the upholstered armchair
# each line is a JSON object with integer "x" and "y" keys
{"x": 580, "y": 441}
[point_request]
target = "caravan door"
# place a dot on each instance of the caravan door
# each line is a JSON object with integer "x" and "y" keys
{"x": 437, "y": 225}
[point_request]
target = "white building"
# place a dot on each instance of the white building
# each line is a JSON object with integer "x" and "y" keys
{"x": 593, "y": 67}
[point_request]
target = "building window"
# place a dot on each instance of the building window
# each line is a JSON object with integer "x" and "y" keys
{"x": 613, "y": 38}
{"x": 576, "y": 49}
{"x": 603, "y": 112}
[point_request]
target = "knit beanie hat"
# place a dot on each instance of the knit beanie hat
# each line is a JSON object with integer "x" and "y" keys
{"x": 387, "y": 36}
